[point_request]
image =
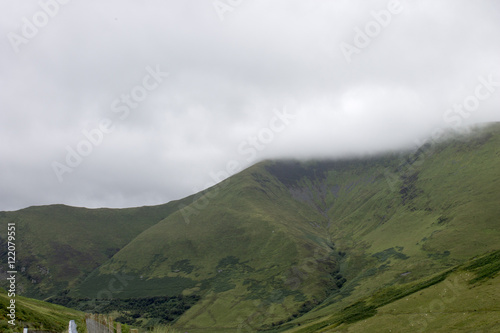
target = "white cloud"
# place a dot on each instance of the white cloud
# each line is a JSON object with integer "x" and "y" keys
{"x": 226, "y": 79}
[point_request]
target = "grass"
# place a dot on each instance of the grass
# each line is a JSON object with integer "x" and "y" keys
{"x": 451, "y": 300}
{"x": 165, "y": 329}
{"x": 457, "y": 303}
{"x": 432, "y": 304}
{"x": 485, "y": 268}
{"x": 38, "y": 315}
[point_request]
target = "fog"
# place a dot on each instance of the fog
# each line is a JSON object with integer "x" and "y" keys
{"x": 124, "y": 103}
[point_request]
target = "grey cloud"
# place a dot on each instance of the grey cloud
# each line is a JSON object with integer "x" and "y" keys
{"x": 227, "y": 79}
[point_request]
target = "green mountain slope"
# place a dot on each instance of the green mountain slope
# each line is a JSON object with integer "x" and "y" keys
{"x": 286, "y": 245}
{"x": 462, "y": 299}
{"x": 246, "y": 247}
{"x": 282, "y": 237}
{"x": 58, "y": 245}
{"x": 400, "y": 220}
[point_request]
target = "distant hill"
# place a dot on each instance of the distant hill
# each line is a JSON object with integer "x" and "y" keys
{"x": 285, "y": 245}
{"x": 58, "y": 245}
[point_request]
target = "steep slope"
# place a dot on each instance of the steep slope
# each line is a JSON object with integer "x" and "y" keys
{"x": 58, "y": 245}
{"x": 272, "y": 242}
{"x": 403, "y": 219}
{"x": 249, "y": 246}
{"x": 464, "y": 298}
{"x": 283, "y": 245}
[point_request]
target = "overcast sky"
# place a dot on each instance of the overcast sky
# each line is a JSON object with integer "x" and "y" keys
{"x": 124, "y": 103}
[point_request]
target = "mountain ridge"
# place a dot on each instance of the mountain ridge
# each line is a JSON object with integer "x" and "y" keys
{"x": 291, "y": 238}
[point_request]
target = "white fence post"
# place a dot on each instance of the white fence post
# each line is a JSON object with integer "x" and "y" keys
{"x": 72, "y": 327}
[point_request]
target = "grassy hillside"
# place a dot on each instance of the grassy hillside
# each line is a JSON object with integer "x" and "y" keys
{"x": 462, "y": 299}
{"x": 403, "y": 219}
{"x": 58, "y": 245}
{"x": 284, "y": 237}
{"x": 246, "y": 248}
{"x": 288, "y": 245}
{"x": 38, "y": 315}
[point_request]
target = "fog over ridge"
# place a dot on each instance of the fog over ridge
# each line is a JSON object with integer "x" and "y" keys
{"x": 123, "y": 104}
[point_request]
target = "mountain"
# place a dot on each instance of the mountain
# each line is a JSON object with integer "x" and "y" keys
{"x": 58, "y": 245}
{"x": 286, "y": 245}
{"x": 244, "y": 246}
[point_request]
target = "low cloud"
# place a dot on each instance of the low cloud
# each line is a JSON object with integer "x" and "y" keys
{"x": 226, "y": 81}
